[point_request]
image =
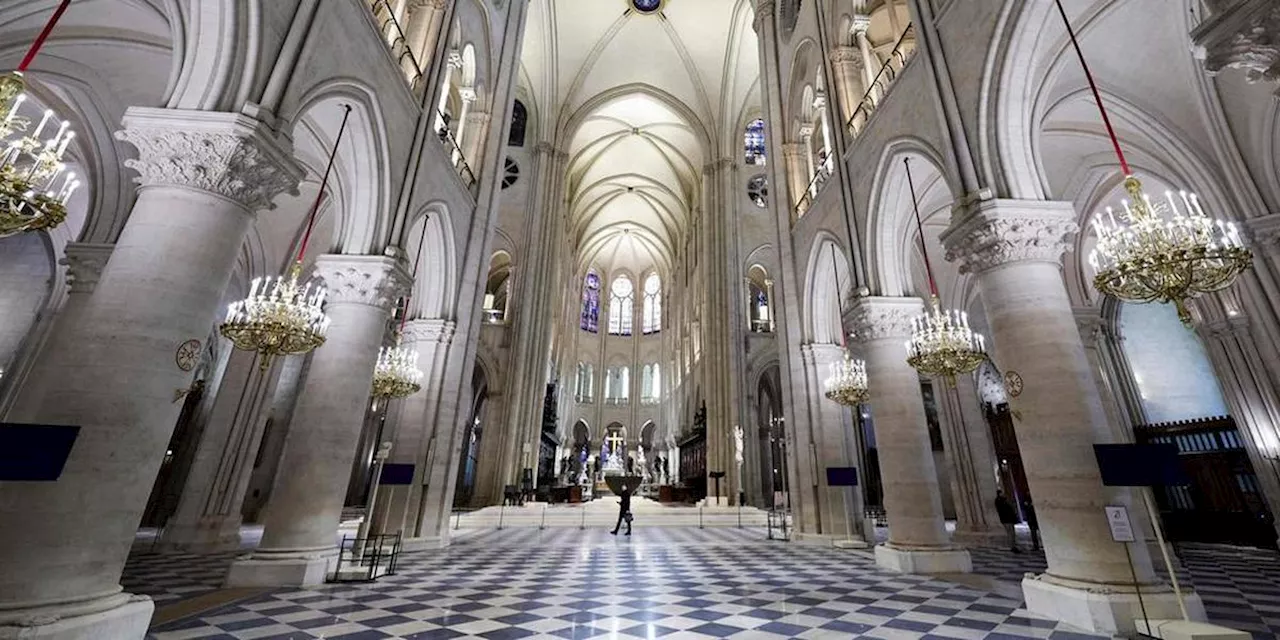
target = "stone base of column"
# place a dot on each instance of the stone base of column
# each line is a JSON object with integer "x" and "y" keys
{"x": 923, "y": 560}
{"x": 1107, "y": 609}
{"x": 123, "y": 615}
{"x": 287, "y": 568}
{"x": 825, "y": 540}
{"x": 408, "y": 545}
{"x": 975, "y": 538}
{"x": 208, "y": 535}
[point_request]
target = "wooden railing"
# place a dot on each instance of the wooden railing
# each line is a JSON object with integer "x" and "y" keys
{"x": 883, "y": 81}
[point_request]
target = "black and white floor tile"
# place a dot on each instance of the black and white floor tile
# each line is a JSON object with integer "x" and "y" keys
{"x": 680, "y": 583}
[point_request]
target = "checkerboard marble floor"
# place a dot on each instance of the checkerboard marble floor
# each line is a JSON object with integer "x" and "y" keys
{"x": 679, "y": 583}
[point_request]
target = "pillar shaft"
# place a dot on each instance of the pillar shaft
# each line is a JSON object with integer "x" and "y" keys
{"x": 846, "y": 67}
{"x": 202, "y": 175}
{"x": 1014, "y": 248}
{"x": 208, "y": 514}
{"x": 306, "y": 502}
{"x": 912, "y": 500}
{"x": 836, "y": 512}
{"x": 971, "y": 456}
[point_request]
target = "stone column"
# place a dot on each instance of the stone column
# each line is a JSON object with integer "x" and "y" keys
{"x": 468, "y": 95}
{"x": 794, "y": 155}
{"x": 846, "y": 67}
{"x": 453, "y": 65}
{"x": 971, "y": 456}
{"x": 63, "y": 544}
{"x": 1014, "y": 248}
{"x": 836, "y": 512}
{"x": 423, "y": 29}
{"x": 870, "y": 63}
{"x": 208, "y": 516}
{"x": 918, "y": 541}
{"x": 299, "y": 544}
{"x": 418, "y": 441}
{"x": 478, "y": 132}
{"x": 84, "y": 262}
{"x": 1247, "y": 387}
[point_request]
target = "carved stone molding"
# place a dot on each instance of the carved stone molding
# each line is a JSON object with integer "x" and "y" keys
{"x": 860, "y": 24}
{"x": 821, "y": 353}
{"x": 764, "y": 11}
{"x": 846, "y": 55}
{"x": 1264, "y": 232}
{"x": 85, "y": 262}
{"x": 1091, "y": 325}
{"x": 428, "y": 330}
{"x": 878, "y": 318}
{"x": 1244, "y": 35}
{"x": 1000, "y": 232}
{"x": 793, "y": 150}
{"x": 376, "y": 281}
{"x": 227, "y": 154}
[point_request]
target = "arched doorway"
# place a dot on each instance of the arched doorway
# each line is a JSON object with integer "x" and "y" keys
{"x": 468, "y": 458}
{"x": 769, "y": 437}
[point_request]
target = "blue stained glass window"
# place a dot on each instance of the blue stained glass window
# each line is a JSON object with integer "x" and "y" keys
{"x": 646, "y": 5}
{"x": 591, "y": 303}
{"x": 754, "y": 142}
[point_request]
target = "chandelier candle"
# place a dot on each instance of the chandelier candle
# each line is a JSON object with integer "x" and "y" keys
{"x": 1146, "y": 257}
{"x": 941, "y": 344}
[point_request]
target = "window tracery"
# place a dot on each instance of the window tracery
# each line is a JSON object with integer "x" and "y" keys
{"x": 652, "y": 304}
{"x": 621, "y": 306}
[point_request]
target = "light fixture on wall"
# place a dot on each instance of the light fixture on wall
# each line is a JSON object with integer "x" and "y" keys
{"x": 396, "y": 374}
{"x": 1163, "y": 249}
{"x": 847, "y": 384}
{"x": 942, "y": 343}
{"x": 279, "y": 317}
{"x": 35, "y": 185}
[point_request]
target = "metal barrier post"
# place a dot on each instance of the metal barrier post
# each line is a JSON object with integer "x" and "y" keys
{"x": 502, "y": 511}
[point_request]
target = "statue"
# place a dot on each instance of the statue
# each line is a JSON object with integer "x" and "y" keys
{"x": 737, "y": 444}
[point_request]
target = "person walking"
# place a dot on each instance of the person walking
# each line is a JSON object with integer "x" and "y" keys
{"x": 624, "y": 511}
{"x": 1008, "y": 518}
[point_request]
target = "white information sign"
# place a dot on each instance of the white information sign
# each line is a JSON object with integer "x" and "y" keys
{"x": 1118, "y": 521}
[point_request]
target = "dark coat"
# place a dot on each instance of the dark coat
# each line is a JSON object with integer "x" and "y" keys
{"x": 626, "y": 499}
{"x": 1004, "y": 508}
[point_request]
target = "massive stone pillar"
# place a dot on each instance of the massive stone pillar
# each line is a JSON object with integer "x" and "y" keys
{"x": 84, "y": 262}
{"x": 421, "y": 443}
{"x": 971, "y": 458}
{"x": 834, "y": 514}
{"x": 63, "y": 544}
{"x": 918, "y": 541}
{"x": 299, "y": 543}
{"x": 1014, "y": 248}
{"x": 208, "y": 514}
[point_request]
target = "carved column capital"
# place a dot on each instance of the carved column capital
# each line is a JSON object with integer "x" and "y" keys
{"x": 861, "y": 22}
{"x": 793, "y": 150}
{"x": 428, "y": 331}
{"x": 1091, "y": 325}
{"x": 880, "y": 318}
{"x": 84, "y": 262}
{"x": 1264, "y": 232}
{"x": 846, "y": 55}
{"x": 821, "y": 353}
{"x": 226, "y": 154}
{"x": 376, "y": 281}
{"x": 1242, "y": 36}
{"x": 764, "y": 11}
{"x": 1001, "y": 232}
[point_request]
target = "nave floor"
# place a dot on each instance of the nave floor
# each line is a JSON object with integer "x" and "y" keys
{"x": 566, "y": 583}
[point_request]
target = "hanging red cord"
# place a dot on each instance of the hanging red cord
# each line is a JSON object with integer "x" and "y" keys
{"x": 44, "y": 34}
{"x": 324, "y": 183}
{"x": 1097, "y": 96}
{"x": 928, "y": 268}
{"x": 417, "y": 260}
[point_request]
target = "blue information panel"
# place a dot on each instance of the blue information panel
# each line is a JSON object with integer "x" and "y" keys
{"x": 1140, "y": 465}
{"x": 397, "y": 474}
{"x": 34, "y": 452}
{"x": 842, "y": 476}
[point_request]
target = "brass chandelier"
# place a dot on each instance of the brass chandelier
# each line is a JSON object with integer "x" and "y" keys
{"x": 397, "y": 374}
{"x": 1161, "y": 250}
{"x": 35, "y": 185}
{"x": 847, "y": 385}
{"x": 942, "y": 343}
{"x": 281, "y": 317}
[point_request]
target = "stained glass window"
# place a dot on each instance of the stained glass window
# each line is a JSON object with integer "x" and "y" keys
{"x": 652, "y": 304}
{"x": 519, "y": 121}
{"x": 646, "y": 6}
{"x": 591, "y": 303}
{"x": 622, "y": 302}
{"x": 758, "y": 191}
{"x": 754, "y": 142}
